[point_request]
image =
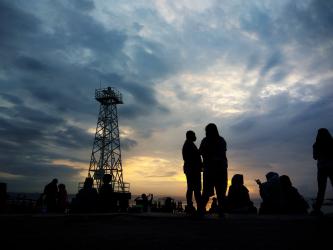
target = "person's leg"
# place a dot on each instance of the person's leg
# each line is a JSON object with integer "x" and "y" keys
{"x": 221, "y": 183}
{"x": 330, "y": 175}
{"x": 197, "y": 189}
{"x": 204, "y": 201}
{"x": 322, "y": 181}
{"x": 189, "y": 191}
{"x": 208, "y": 190}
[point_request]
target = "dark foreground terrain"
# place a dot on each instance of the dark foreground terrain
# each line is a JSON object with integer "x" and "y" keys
{"x": 160, "y": 231}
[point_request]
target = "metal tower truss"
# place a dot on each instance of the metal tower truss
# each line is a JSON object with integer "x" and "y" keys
{"x": 106, "y": 152}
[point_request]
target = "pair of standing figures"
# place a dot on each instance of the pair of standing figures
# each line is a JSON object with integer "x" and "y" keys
{"x": 214, "y": 165}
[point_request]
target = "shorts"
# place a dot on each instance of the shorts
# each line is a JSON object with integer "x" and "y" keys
{"x": 217, "y": 179}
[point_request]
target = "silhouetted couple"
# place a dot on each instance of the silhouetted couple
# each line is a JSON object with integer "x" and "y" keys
{"x": 214, "y": 166}
{"x": 55, "y": 197}
{"x": 279, "y": 196}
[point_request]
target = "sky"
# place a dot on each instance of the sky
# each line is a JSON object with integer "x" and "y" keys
{"x": 261, "y": 70}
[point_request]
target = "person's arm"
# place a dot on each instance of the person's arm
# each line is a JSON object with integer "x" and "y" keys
{"x": 315, "y": 152}
{"x": 201, "y": 147}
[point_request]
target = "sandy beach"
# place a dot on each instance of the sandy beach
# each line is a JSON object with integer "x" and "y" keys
{"x": 163, "y": 231}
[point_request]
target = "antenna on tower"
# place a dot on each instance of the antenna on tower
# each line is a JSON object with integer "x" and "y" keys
{"x": 106, "y": 152}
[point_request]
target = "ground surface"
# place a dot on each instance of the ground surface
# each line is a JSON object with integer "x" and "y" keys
{"x": 163, "y": 231}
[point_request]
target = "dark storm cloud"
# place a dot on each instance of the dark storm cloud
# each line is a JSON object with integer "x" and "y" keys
{"x": 29, "y": 138}
{"x": 29, "y": 64}
{"x": 49, "y": 78}
{"x": 311, "y": 24}
{"x": 85, "y": 33}
{"x": 10, "y": 98}
{"x": 15, "y": 23}
{"x": 84, "y": 5}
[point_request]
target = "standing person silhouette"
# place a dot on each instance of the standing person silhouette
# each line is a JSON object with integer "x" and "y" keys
{"x": 323, "y": 153}
{"x": 213, "y": 150}
{"x": 192, "y": 170}
{"x": 51, "y": 193}
{"x": 62, "y": 198}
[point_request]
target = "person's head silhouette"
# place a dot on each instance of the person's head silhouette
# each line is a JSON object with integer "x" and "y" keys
{"x": 55, "y": 181}
{"x": 285, "y": 181}
{"x": 190, "y": 135}
{"x": 323, "y": 135}
{"x": 211, "y": 131}
{"x": 237, "y": 180}
{"x": 62, "y": 187}
{"x": 271, "y": 176}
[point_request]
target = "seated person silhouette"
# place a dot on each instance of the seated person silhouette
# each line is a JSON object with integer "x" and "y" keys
{"x": 87, "y": 198}
{"x": 106, "y": 195}
{"x": 214, "y": 207}
{"x": 238, "y": 200}
{"x": 270, "y": 192}
{"x": 292, "y": 201}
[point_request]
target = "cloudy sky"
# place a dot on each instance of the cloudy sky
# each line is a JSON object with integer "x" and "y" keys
{"x": 261, "y": 70}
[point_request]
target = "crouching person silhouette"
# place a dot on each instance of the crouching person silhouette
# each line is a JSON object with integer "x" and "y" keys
{"x": 292, "y": 201}
{"x": 270, "y": 192}
{"x": 192, "y": 170}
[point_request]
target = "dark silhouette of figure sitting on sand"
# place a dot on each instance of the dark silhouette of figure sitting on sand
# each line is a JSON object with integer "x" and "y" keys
{"x": 323, "y": 153}
{"x": 192, "y": 169}
{"x": 106, "y": 199}
{"x": 87, "y": 198}
{"x": 145, "y": 201}
{"x": 214, "y": 207}
{"x": 213, "y": 150}
{"x": 238, "y": 199}
{"x": 51, "y": 193}
{"x": 270, "y": 192}
{"x": 292, "y": 201}
{"x": 62, "y": 198}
